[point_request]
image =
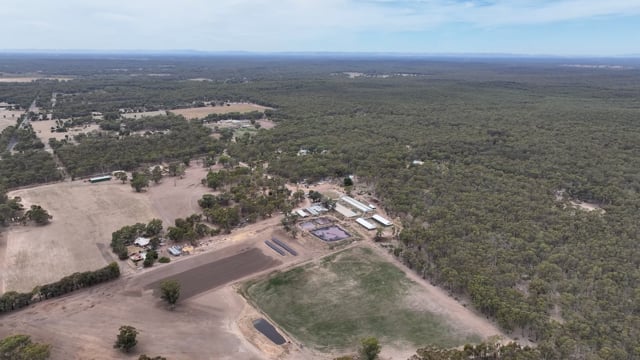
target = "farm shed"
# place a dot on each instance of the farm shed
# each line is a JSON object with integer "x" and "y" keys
{"x": 381, "y": 220}
{"x": 344, "y": 211}
{"x": 99, "y": 179}
{"x": 316, "y": 210}
{"x": 356, "y": 204}
{"x": 365, "y": 224}
{"x": 301, "y": 213}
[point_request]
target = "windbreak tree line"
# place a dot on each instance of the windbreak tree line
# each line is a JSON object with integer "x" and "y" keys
{"x": 12, "y": 300}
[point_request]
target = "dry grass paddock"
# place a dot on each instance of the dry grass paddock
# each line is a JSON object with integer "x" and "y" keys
{"x": 201, "y": 112}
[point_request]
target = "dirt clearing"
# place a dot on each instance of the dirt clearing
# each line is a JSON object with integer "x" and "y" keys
{"x": 78, "y": 237}
{"x": 42, "y": 129}
{"x": 9, "y": 118}
{"x": 201, "y": 112}
{"x": 220, "y": 272}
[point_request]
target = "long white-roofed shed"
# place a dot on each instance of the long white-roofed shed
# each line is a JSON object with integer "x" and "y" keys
{"x": 356, "y": 204}
{"x": 365, "y": 224}
{"x": 381, "y": 220}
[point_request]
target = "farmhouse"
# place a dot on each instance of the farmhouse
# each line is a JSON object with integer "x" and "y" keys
{"x": 365, "y": 224}
{"x": 356, "y": 204}
{"x": 142, "y": 241}
{"x": 301, "y": 213}
{"x": 381, "y": 220}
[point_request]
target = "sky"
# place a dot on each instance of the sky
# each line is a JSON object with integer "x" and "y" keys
{"x": 526, "y": 27}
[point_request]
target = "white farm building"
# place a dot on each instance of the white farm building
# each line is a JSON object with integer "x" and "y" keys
{"x": 365, "y": 224}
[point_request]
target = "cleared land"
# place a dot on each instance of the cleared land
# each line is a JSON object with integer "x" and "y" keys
{"x": 223, "y": 271}
{"x": 332, "y": 303}
{"x": 200, "y": 112}
{"x": 84, "y": 216}
{"x": 201, "y": 327}
{"x": 44, "y": 133}
{"x": 9, "y": 117}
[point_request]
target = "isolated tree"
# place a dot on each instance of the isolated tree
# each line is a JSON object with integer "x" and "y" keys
{"x": 126, "y": 339}
{"x": 369, "y": 348}
{"x": 379, "y": 233}
{"x": 139, "y": 181}
{"x": 122, "y": 176}
{"x": 170, "y": 292}
{"x": 347, "y": 181}
{"x": 156, "y": 174}
{"x": 38, "y": 214}
{"x": 315, "y": 196}
{"x": 298, "y": 196}
{"x": 20, "y": 347}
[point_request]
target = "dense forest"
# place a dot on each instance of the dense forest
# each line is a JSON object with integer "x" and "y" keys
{"x": 482, "y": 161}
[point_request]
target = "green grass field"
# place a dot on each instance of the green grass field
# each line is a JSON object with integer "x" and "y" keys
{"x": 349, "y": 296}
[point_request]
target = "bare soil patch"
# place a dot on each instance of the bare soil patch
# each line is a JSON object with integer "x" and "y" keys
{"x": 9, "y": 117}
{"x": 201, "y": 112}
{"x": 220, "y": 272}
{"x": 44, "y": 133}
{"x": 84, "y": 216}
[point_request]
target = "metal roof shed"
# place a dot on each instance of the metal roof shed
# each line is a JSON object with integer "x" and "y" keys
{"x": 344, "y": 211}
{"x": 356, "y": 204}
{"x": 381, "y": 220}
{"x": 365, "y": 224}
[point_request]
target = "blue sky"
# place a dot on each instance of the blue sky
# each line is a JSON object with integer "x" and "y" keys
{"x": 533, "y": 27}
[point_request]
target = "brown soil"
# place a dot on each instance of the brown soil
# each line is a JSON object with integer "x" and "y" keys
{"x": 201, "y": 112}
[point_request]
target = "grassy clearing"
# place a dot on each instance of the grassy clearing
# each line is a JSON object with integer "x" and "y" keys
{"x": 333, "y": 304}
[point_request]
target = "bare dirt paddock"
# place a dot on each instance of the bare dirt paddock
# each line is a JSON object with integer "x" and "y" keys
{"x": 200, "y": 112}
{"x": 84, "y": 324}
{"x": 84, "y": 216}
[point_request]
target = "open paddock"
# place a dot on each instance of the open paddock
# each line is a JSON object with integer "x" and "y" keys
{"x": 44, "y": 133}
{"x": 9, "y": 117}
{"x": 201, "y": 112}
{"x": 333, "y": 302}
{"x": 78, "y": 237}
{"x": 84, "y": 216}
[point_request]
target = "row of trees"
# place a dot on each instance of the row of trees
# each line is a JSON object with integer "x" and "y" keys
{"x": 12, "y": 300}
